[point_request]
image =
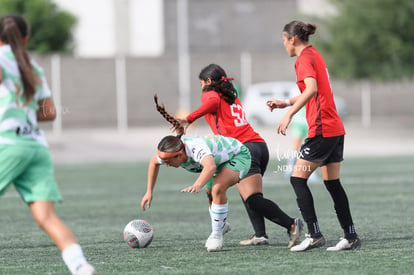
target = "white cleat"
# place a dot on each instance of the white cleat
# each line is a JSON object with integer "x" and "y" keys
{"x": 253, "y": 240}
{"x": 86, "y": 269}
{"x": 226, "y": 229}
{"x": 345, "y": 244}
{"x": 214, "y": 243}
{"x": 309, "y": 243}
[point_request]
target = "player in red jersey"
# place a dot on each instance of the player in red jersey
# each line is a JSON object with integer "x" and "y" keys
{"x": 324, "y": 145}
{"x": 224, "y": 113}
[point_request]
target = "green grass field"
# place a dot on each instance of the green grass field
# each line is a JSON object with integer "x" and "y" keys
{"x": 100, "y": 199}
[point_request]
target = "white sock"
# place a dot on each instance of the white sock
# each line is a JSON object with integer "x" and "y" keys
{"x": 218, "y": 213}
{"x": 73, "y": 257}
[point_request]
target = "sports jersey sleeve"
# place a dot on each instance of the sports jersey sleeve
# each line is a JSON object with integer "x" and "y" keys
{"x": 305, "y": 67}
{"x": 199, "y": 151}
{"x": 44, "y": 92}
{"x": 210, "y": 104}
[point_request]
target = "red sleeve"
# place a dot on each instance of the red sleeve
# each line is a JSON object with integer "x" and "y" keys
{"x": 210, "y": 102}
{"x": 305, "y": 65}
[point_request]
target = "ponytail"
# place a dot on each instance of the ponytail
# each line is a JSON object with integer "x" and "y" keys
{"x": 13, "y": 30}
{"x": 220, "y": 83}
{"x": 173, "y": 121}
{"x": 300, "y": 30}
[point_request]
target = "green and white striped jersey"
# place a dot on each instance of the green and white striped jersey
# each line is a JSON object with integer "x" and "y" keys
{"x": 220, "y": 147}
{"x": 14, "y": 113}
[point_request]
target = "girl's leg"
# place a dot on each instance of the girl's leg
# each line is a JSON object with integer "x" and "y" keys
{"x": 330, "y": 174}
{"x": 251, "y": 191}
{"x": 225, "y": 178}
{"x": 301, "y": 172}
{"x": 246, "y": 187}
{"x": 219, "y": 207}
{"x": 72, "y": 254}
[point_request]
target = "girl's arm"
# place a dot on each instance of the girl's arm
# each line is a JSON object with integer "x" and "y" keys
{"x": 153, "y": 169}
{"x": 299, "y": 101}
{"x": 46, "y": 110}
{"x": 210, "y": 104}
{"x": 209, "y": 168}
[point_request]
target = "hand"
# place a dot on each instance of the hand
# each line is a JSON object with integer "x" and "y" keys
{"x": 275, "y": 103}
{"x": 146, "y": 201}
{"x": 183, "y": 123}
{"x": 283, "y": 125}
{"x": 192, "y": 189}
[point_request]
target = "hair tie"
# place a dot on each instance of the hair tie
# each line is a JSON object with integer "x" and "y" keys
{"x": 227, "y": 78}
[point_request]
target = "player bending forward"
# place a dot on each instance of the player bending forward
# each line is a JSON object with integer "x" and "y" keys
{"x": 221, "y": 162}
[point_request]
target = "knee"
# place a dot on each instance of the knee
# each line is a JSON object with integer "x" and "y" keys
{"x": 296, "y": 181}
{"x": 42, "y": 219}
{"x": 43, "y": 216}
{"x": 218, "y": 191}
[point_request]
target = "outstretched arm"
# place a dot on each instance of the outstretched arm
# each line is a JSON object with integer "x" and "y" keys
{"x": 153, "y": 169}
{"x": 209, "y": 168}
{"x": 210, "y": 104}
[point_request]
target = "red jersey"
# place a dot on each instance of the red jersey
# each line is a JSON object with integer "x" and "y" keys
{"x": 321, "y": 114}
{"x": 224, "y": 119}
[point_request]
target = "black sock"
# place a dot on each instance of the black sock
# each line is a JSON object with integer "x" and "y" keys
{"x": 304, "y": 200}
{"x": 257, "y": 221}
{"x": 269, "y": 210}
{"x": 341, "y": 205}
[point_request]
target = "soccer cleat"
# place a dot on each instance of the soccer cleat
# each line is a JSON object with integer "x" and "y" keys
{"x": 345, "y": 244}
{"x": 294, "y": 232}
{"x": 309, "y": 243}
{"x": 226, "y": 229}
{"x": 253, "y": 240}
{"x": 86, "y": 269}
{"x": 214, "y": 243}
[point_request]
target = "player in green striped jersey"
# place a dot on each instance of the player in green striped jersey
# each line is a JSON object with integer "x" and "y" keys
{"x": 224, "y": 161}
{"x": 25, "y": 159}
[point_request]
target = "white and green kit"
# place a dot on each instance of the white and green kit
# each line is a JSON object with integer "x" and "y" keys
{"x": 227, "y": 152}
{"x": 24, "y": 155}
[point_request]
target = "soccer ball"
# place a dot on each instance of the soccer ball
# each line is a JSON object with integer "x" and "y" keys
{"x": 138, "y": 233}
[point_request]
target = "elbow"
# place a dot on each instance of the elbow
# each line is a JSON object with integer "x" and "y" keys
{"x": 213, "y": 170}
{"x": 52, "y": 116}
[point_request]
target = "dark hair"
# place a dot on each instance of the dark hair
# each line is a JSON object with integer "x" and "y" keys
{"x": 300, "y": 29}
{"x": 174, "y": 122}
{"x": 219, "y": 82}
{"x": 13, "y": 30}
{"x": 170, "y": 144}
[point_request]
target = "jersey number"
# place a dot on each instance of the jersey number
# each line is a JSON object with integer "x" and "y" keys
{"x": 239, "y": 115}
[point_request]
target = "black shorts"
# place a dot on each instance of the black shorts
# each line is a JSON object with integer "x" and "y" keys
{"x": 323, "y": 150}
{"x": 260, "y": 157}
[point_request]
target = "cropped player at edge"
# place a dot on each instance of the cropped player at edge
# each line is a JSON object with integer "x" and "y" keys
{"x": 324, "y": 145}
{"x": 25, "y": 99}
{"x": 222, "y": 161}
{"x": 224, "y": 113}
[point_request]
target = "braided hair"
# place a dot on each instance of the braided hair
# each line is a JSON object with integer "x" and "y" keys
{"x": 219, "y": 82}
{"x": 173, "y": 121}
